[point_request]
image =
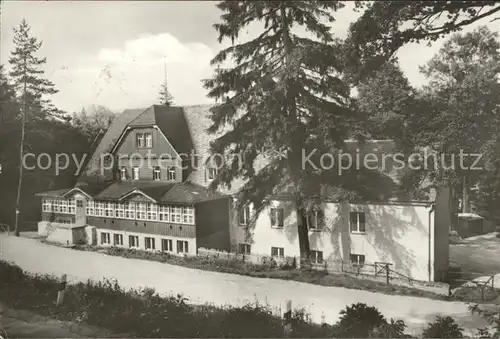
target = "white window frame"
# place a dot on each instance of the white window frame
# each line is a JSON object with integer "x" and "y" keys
{"x": 99, "y": 209}
{"x": 139, "y": 140}
{"x": 130, "y": 210}
{"x": 123, "y": 173}
{"x": 148, "y": 137}
{"x": 71, "y": 206}
{"x": 175, "y": 214}
{"x": 135, "y": 242}
{"x": 90, "y": 208}
{"x": 135, "y": 173}
{"x": 245, "y": 211}
{"x": 120, "y": 237}
{"x": 182, "y": 246}
{"x": 140, "y": 211}
{"x": 46, "y": 205}
{"x": 152, "y": 212}
{"x": 358, "y": 261}
{"x": 280, "y": 252}
{"x": 109, "y": 209}
{"x": 316, "y": 215}
{"x": 164, "y": 213}
{"x": 171, "y": 173}
{"x": 357, "y": 228}
{"x": 119, "y": 211}
{"x": 188, "y": 215}
{"x": 151, "y": 245}
{"x": 156, "y": 173}
{"x": 274, "y": 218}
{"x": 105, "y": 238}
{"x": 247, "y": 248}
{"x": 169, "y": 245}
{"x": 315, "y": 257}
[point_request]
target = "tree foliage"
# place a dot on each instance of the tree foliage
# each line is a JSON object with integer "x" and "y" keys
{"x": 385, "y": 26}
{"x": 164, "y": 96}
{"x": 443, "y": 327}
{"x": 285, "y": 93}
{"x": 93, "y": 119}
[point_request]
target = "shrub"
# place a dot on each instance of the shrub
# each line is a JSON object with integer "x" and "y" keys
{"x": 362, "y": 321}
{"x": 10, "y": 273}
{"x": 443, "y": 327}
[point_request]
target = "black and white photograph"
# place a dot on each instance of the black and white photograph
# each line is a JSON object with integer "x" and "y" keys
{"x": 249, "y": 169}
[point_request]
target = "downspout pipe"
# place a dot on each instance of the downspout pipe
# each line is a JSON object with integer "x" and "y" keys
{"x": 429, "y": 264}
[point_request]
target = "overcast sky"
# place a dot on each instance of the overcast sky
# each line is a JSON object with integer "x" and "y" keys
{"x": 112, "y": 53}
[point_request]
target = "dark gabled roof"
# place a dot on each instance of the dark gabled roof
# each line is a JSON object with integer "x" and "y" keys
{"x": 118, "y": 189}
{"x": 54, "y": 194}
{"x": 173, "y": 124}
{"x": 188, "y": 192}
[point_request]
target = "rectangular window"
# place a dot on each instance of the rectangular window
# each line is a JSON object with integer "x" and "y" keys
{"x": 315, "y": 220}
{"x": 139, "y": 140}
{"x": 317, "y": 257}
{"x": 182, "y": 246}
{"x": 156, "y": 173}
{"x": 135, "y": 173}
{"x": 90, "y": 210}
{"x": 171, "y": 173}
{"x": 278, "y": 252}
{"x": 99, "y": 209}
{"x": 244, "y": 215}
{"x": 123, "y": 173}
{"x": 166, "y": 245}
{"x": 79, "y": 203}
{"x": 277, "y": 217}
{"x": 130, "y": 210}
{"x": 133, "y": 241}
{"x": 64, "y": 206}
{"x": 357, "y": 222}
{"x": 118, "y": 239}
{"x": 152, "y": 212}
{"x": 357, "y": 259}
{"x": 119, "y": 211}
{"x": 212, "y": 173}
{"x": 244, "y": 248}
{"x": 188, "y": 215}
{"x": 141, "y": 211}
{"x": 149, "y": 140}
{"x": 109, "y": 210}
{"x": 105, "y": 238}
{"x": 72, "y": 206}
{"x": 175, "y": 215}
{"x": 46, "y": 206}
{"x": 149, "y": 243}
{"x": 164, "y": 213}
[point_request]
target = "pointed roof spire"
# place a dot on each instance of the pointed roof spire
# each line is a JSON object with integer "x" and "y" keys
{"x": 165, "y": 96}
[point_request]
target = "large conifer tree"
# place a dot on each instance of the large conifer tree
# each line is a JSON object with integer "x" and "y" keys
{"x": 286, "y": 93}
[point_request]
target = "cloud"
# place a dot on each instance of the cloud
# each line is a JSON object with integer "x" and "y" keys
{"x": 131, "y": 76}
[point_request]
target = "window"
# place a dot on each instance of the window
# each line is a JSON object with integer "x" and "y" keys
{"x": 139, "y": 140}
{"x": 123, "y": 173}
{"x": 119, "y": 210}
{"x": 156, "y": 173}
{"x": 277, "y": 217}
{"x": 244, "y": 215}
{"x": 164, "y": 213}
{"x": 135, "y": 173}
{"x": 109, "y": 210}
{"x": 90, "y": 210}
{"x": 315, "y": 219}
{"x": 105, "y": 238}
{"x": 357, "y": 259}
{"x": 130, "y": 210}
{"x": 133, "y": 241}
{"x": 171, "y": 173}
{"x": 357, "y": 222}
{"x": 152, "y": 212}
{"x": 188, "y": 215}
{"x": 64, "y": 206}
{"x": 277, "y": 252}
{"x": 244, "y": 248}
{"x": 79, "y": 203}
{"x": 317, "y": 257}
{"x": 166, "y": 245}
{"x": 175, "y": 215}
{"x": 182, "y": 246}
{"x": 149, "y": 243}
{"x": 141, "y": 211}
{"x": 99, "y": 209}
{"x": 47, "y": 205}
{"x": 118, "y": 239}
{"x": 72, "y": 206}
{"x": 149, "y": 140}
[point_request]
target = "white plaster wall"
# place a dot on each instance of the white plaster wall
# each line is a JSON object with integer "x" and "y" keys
{"x": 397, "y": 234}
{"x": 191, "y": 241}
{"x": 60, "y": 235}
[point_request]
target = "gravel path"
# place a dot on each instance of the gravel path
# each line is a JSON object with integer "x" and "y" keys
{"x": 221, "y": 288}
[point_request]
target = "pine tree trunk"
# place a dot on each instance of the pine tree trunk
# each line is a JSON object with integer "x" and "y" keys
{"x": 465, "y": 195}
{"x": 21, "y": 154}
